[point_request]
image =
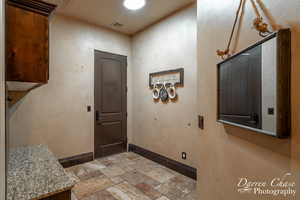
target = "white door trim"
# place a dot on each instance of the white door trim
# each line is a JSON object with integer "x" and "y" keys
{"x": 2, "y": 101}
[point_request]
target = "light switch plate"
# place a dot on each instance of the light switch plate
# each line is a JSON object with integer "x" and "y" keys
{"x": 201, "y": 122}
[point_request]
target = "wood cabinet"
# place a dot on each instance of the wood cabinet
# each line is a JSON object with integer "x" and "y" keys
{"x": 27, "y": 40}
{"x": 66, "y": 195}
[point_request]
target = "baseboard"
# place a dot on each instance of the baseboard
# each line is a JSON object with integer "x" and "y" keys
{"x": 76, "y": 160}
{"x": 167, "y": 162}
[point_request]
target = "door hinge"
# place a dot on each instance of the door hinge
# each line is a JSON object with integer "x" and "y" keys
{"x": 201, "y": 122}
{"x": 126, "y": 114}
{"x": 126, "y": 89}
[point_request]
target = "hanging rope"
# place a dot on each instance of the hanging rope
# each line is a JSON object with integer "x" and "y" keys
{"x": 226, "y": 52}
{"x": 258, "y": 23}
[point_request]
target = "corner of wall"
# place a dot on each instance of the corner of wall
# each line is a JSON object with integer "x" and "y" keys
{"x": 2, "y": 103}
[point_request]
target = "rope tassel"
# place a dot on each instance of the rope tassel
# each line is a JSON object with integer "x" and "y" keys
{"x": 261, "y": 27}
{"x": 258, "y": 23}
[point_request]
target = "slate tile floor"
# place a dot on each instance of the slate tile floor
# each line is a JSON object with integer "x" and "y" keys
{"x": 128, "y": 176}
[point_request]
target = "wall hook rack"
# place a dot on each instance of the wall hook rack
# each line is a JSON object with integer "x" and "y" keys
{"x": 170, "y": 77}
{"x": 164, "y": 83}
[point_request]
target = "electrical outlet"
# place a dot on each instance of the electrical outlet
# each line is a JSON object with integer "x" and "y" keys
{"x": 201, "y": 122}
{"x": 183, "y": 155}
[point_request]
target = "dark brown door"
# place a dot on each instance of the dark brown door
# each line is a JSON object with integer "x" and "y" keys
{"x": 110, "y": 104}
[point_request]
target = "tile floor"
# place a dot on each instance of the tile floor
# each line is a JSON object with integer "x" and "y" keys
{"x": 128, "y": 176}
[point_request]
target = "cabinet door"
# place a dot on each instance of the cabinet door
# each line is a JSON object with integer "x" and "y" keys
{"x": 27, "y": 45}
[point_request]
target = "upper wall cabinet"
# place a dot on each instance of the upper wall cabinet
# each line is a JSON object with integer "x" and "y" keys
{"x": 27, "y": 40}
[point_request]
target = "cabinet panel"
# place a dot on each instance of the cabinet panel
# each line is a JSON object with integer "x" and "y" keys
{"x": 27, "y": 45}
{"x": 66, "y": 195}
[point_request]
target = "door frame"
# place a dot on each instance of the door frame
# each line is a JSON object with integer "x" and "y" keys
{"x": 93, "y": 110}
{"x": 2, "y": 103}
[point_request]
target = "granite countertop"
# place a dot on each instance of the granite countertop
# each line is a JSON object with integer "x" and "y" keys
{"x": 35, "y": 173}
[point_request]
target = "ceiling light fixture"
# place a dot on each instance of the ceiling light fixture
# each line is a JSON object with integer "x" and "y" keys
{"x": 134, "y": 4}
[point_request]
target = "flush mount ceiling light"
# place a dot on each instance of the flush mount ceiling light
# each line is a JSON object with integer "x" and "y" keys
{"x": 134, "y": 4}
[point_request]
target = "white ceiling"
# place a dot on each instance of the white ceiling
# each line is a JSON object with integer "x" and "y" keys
{"x": 107, "y": 12}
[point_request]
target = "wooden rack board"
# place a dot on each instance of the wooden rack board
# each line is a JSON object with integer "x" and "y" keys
{"x": 175, "y": 76}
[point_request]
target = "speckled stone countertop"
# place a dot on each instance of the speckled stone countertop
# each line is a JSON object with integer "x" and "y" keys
{"x": 34, "y": 173}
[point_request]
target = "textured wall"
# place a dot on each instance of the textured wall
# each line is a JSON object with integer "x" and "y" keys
{"x": 55, "y": 114}
{"x": 171, "y": 128}
{"x": 228, "y": 153}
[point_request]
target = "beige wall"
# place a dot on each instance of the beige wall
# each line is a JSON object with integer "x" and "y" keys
{"x": 228, "y": 153}
{"x": 164, "y": 128}
{"x": 2, "y": 104}
{"x": 56, "y": 113}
